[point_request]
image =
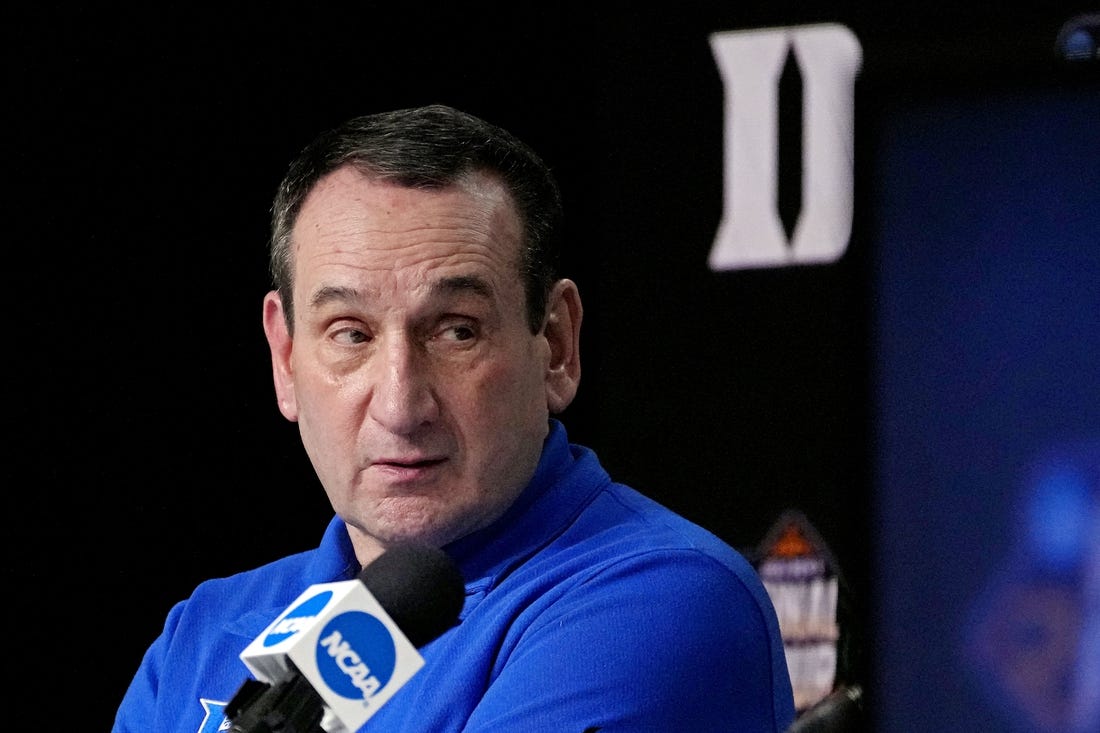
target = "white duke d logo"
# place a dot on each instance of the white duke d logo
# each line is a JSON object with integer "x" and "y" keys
{"x": 751, "y": 62}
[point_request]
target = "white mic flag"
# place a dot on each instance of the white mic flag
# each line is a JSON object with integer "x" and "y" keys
{"x": 341, "y": 650}
{"x": 346, "y": 646}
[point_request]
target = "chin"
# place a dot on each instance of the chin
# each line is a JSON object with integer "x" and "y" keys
{"x": 425, "y": 530}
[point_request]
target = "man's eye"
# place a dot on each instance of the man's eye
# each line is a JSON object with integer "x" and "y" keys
{"x": 350, "y": 336}
{"x": 455, "y": 330}
{"x": 459, "y": 333}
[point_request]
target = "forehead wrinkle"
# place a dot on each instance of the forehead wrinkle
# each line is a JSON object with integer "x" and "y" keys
{"x": 421, "y": 245}
{"x": 445, "y": 286}
{"x": 462, "y": 284}
{"x": 375, "y": 235}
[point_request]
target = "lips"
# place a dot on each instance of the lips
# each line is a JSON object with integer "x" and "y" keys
{"x": 407, "y": 469}
{"x": 411, "y": 464}
{"x": 408, "y": 462}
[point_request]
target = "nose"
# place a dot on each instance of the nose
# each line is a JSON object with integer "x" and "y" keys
{"x": 402, "y": 396}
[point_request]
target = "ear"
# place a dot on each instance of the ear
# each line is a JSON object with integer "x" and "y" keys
{"x": 562, "y": 330}
{"x": 280, "y": 342}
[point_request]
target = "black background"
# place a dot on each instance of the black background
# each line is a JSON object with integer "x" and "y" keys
{"x": 145, "y": 450}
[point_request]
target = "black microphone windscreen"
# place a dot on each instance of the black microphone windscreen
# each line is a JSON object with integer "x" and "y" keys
{"x": 841, "y": 711}
{"x": 420, "y": 587}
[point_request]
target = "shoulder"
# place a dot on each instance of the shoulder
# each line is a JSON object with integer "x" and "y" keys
{"x": 220, "y": 603}
{"x": 277, "y": 583}
{"x": 625, "y": 548}
{"x": 625, "y": 526}
{"x": 650, "y": 614}
{"x": 263, "y": 580}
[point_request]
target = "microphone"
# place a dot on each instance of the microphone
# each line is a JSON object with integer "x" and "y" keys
{"x": 342, "y": 649}
{"x": 841, "y": 711}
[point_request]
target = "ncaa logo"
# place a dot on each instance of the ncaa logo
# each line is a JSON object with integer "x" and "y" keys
{"x": 297, "y": 618}
{"x": 356, "y": 655}
{"x": 823, "y": 59}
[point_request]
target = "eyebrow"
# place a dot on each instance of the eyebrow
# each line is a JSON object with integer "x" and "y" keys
{"x": 330, "y": 293}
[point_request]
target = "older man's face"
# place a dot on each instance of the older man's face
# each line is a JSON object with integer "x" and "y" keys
{"x": 419, "y": 389}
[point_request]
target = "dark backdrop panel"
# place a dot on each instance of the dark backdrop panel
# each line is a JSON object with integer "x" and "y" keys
{"x": 987, "y": 427}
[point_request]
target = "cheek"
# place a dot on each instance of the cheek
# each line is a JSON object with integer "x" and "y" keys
{"x": 511, "y": 403}
{"x": 329, "y": 413}
{"x": 511, "y": 385}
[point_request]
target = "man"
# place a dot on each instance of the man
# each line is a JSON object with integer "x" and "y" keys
{"x": 422, "y": 342}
